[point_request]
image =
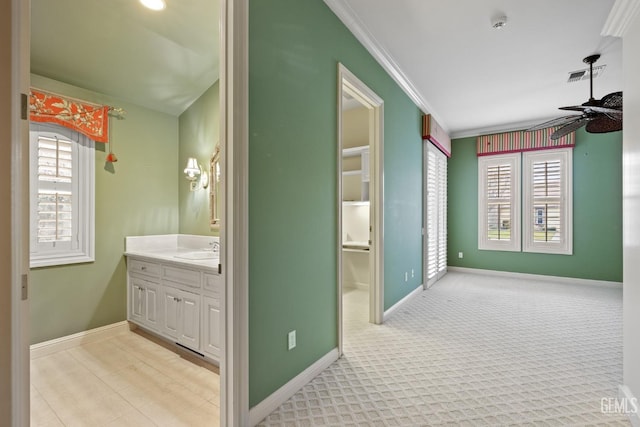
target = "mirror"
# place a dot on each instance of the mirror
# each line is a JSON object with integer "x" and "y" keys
{"x": 214, "y": 188}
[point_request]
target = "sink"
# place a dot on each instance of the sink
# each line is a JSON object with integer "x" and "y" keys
{"x": 197, "y": 255}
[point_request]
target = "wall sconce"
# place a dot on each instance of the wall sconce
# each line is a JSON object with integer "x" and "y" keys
{"x": 194, "y": 173}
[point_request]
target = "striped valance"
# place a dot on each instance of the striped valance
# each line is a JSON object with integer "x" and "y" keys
{"x": 513, "y": 142}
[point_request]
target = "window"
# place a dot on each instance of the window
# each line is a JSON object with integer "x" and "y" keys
{"x": 546, "y": 202}
{"x": 62, "y": 196}
{"x": 547, "y": 219}
{"x": 499, "y": 202}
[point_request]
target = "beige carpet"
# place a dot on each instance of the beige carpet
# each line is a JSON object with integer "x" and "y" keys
{"x": 473, "y": 351}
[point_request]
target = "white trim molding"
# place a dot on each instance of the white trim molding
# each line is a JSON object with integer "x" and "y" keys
{"x": 349, "y": 83}
{"x": 234, "y": 234}
{"x": 403, "y": 301}
{"x": 349, "y": 18}
{"x": 622, "y": 14}
{"x": 632, "y": 403}
{"x": 284, "y": 393}
{"x": 540, "y": 277}
{"x": 64, "y": 343}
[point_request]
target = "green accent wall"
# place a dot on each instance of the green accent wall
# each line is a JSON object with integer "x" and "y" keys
{"x": 198, "y": 135}
{"x": 138, "y": 195}
{"x": 597, "y": 214}
{"x": 294, "y": 50}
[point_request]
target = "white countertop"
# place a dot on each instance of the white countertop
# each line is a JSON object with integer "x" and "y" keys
{"x": 171, "y": 247}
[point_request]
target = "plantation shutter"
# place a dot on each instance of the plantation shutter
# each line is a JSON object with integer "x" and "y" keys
{"x": 435, "y": 212}
{"x": 54, "y": 207}
{"x": 499, "y": 202}
{"x": 547, "y": 203}
{"x": 442, "y": 213}
{"x": 498, "y": 190}
{"x": 431, "y": 219}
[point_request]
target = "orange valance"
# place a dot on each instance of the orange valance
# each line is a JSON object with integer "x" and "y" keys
{"x": 89, "y": 119}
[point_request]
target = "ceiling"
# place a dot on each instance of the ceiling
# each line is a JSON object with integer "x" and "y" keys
{"x": 472, "y": 78}
{"x": 475, "y": 79}
{"x": 161, "y": 60}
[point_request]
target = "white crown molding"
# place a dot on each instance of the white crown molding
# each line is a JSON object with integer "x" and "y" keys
{"x": 345, "y": 13}
{"x": 508, "y": 127}
{"x": 622, "y": 13}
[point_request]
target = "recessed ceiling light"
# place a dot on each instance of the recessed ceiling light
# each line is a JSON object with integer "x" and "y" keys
{"x": 154, "y": 4}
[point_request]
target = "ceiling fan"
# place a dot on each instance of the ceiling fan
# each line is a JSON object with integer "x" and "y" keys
{"x": 599, "y": 116}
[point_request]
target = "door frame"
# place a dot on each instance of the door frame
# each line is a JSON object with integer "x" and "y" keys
{"x": 234, "y": 78}
{"x": 20, "y": 80}
{"x": 348, "y": 82}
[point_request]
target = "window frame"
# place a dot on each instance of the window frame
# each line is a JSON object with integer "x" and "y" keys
{"x": 514, "y": 243}
{"x": 565, "y": 245}
{"x": 82, "y": 247}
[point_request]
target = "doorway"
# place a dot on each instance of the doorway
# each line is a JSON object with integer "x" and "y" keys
{"x": 21, "y": 307}
{"x": 360, "y": 251}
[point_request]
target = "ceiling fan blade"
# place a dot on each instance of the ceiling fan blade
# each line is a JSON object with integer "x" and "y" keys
{"x": 559, "y": 121}
{"x": 612, "y": 100}
{"x": 574, "y": 108}
{"x": 604, "y": 124}
{"x": 603, "y": 110}
{"x": 570, "y": 127}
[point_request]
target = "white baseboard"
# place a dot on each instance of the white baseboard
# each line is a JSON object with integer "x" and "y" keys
{"x": 278, "y": 397}
{"x": 355, "y": 285}
{"x": 64, "y": 343}
{"x": 625, "y": 393}
{"x": 541, "y": 277}
{"x": 400, "y": 303}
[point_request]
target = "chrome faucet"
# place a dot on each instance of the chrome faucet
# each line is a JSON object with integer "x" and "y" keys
{"x": 214, "y": 247}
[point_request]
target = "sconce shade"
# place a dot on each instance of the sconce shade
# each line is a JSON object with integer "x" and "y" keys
{"x": 192, "y": 170}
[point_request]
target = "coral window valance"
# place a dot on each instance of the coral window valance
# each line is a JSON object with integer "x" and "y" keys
{"x": 513, "y": 142}
{"x": 89, "y": 119}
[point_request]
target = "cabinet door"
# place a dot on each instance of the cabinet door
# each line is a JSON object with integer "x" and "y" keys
{"x": 152, "y": 301}
{"x": 171, "y": 312}
{"x": 211, "y": 333}
{"x": 190, "y": 320}
{"x": 137, "y": 301}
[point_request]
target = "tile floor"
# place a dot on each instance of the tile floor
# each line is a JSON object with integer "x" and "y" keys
{"x": 473, "y": 351}
{"x": 127, "y": 380}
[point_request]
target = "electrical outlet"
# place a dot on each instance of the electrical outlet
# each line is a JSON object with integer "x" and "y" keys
{"x": 291, "y": 340}
{"x": 406, "y": 276}
{"x": 413, "y": 274}
{"x": 460, "y": 255}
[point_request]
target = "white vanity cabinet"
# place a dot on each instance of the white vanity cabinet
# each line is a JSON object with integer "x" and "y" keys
{"x": 212, "y": 312}
{"x": 177, "y": 300}
{"x": 144, "y": 296}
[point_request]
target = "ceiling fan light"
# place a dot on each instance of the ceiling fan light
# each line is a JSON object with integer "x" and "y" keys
{"x": 154, "y": 4}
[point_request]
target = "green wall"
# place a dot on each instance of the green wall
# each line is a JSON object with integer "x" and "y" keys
{"x": 135, "y": 196}
{"x": 294, "y": 49}
{"x": 198, "y": 136}
{"x": 597, "y": 214}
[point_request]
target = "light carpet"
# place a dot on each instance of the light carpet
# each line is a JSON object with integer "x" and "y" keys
{"x": 473, "y": 351}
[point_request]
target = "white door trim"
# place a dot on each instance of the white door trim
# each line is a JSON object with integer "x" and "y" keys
{"x": 375, "y": 104}
{"x": 234, "y": 233}
{"x": 20, "y": 387}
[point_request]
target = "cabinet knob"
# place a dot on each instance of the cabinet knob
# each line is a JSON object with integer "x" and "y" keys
{"x": 142, "y": 289}
{"x": 176, "y": 299}
{"x": 143, "y": 268}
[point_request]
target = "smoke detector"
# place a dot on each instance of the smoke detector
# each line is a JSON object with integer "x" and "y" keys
{"x": 499, "y": 22}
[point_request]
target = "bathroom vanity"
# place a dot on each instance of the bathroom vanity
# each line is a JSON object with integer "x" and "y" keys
{"x": 175, "y": 290}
